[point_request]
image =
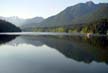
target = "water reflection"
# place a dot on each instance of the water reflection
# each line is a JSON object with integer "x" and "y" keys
{"x": 54, "y": 54}
{"x": 81, "y": 49}
{"x": 6, "y": 38}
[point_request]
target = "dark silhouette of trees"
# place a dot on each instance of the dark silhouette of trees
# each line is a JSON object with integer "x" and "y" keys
{"x": 8, "y": 27}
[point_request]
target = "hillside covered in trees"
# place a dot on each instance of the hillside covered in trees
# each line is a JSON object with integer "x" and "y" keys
{"x": 8, "y": 27}
{"x": 96, "y": 27}
{"x": 83, "y": 17}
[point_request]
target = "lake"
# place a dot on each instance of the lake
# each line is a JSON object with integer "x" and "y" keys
{"x": 53, "y": 54}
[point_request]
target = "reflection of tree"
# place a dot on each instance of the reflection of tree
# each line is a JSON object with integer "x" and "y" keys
{"x": 6, "y": 38}
{"x": 79, "y": 48}
{"x": 99, "y": 42}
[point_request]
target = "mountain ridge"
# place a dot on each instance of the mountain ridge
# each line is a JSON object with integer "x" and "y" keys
{"x": 20, "y": 21}
{"x": 67, "y": 16}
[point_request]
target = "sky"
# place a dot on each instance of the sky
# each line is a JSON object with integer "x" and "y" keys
{"x": 40, "y": 8}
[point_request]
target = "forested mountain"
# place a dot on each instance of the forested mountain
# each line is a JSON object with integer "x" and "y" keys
{"x": 83, "y": 17}
{"x": 65, "y": 17}
{"x": 78, "y": 14}
{"x": 98, "y": 14}
{"x": 8, "y": 27}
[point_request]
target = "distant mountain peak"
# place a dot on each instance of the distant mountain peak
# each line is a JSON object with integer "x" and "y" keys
{"x": 90, "y": 3}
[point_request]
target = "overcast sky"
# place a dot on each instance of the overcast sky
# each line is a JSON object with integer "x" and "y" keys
{"x": 33, "y": 8}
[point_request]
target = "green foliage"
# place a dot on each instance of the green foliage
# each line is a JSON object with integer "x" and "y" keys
{"x": 97, "y": 27}
{"x": 37, "y": 30}
{"x": 60, "y": 29}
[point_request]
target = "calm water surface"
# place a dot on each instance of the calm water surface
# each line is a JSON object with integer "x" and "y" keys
{"x": 53, "y": 54}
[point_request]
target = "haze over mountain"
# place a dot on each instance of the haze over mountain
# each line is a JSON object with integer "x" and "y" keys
{"x": 77, "y": 14}
{"x": 19, "y": 21}
{"x": 33, "y": 21}
{"x": 14, "y": 19}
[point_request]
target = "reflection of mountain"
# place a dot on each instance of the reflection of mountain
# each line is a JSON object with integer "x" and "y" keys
{"x": 75, "y": 48}
{"x": 23, "y": 40}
